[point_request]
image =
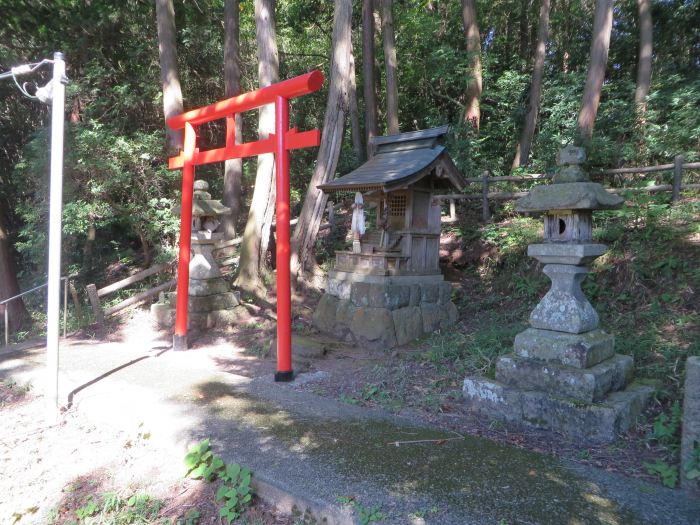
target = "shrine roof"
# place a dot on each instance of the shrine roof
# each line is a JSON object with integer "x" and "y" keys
{"x": 400, "y": 161}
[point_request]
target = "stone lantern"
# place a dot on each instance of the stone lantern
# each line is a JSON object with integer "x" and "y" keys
{"x": 210, "y": 301}
{"x": 564, "y": 374}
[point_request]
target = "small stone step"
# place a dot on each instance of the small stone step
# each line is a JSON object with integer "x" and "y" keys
{"x": 577, "y": 350}
{"x": 163, "y": 314}
{"x": 587, "y": 384}
{"x": 593, "y": 422}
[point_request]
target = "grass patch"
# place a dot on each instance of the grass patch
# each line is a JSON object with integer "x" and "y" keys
{"x": 472, "y": 353}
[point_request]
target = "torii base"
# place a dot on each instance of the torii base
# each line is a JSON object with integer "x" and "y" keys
{"x": 179, "y": 342}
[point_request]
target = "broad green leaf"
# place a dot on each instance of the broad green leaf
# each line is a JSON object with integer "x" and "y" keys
{"x": 233, "y": 470}
{"x": 198, "y": 472}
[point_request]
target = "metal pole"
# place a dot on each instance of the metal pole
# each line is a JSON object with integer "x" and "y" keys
{"x": 55, "y": 205}
{"x": 65, "y": 307}
{"x": 283, "y": 250}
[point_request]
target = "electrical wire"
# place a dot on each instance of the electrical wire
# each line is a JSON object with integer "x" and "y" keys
{"x": 23, "y": 70}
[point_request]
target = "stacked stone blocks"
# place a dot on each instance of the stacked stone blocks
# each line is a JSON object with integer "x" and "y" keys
{"x": 384, "y": 314}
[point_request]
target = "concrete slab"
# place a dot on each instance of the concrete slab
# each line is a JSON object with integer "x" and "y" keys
{"x": 306, "y": 451}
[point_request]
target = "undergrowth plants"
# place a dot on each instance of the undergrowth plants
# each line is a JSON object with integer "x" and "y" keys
{"x": 665, "y": 433}
{"x": 234, "y": 492}
{"x": 112, "y": 509}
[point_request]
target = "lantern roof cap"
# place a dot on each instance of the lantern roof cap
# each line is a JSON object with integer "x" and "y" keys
{"x": 568, "y": 196}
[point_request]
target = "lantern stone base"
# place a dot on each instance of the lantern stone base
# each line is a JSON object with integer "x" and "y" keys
{"x": 382, "y": 312}
{"x": 571, "y": 383}
{"x": 218, "y": 310}
{"x": 600, "y": 422}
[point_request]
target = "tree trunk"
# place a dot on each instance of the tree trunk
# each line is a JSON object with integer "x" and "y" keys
{"x": 9, "y": 286}
{"x": 600, "y": 44}
{"x": 331, "y": 138}
{"x": 368, "y": 57}
{"x": 392, "y": 86}
{"x": 169, "y": 79}
{"x": 472, "y": 115}
{"x": 523, "y": 149}
{"x": 233, "y": 169}
{"x": 645, "y": 54}
{"x": 524, "y": 29}
{"x": 256, "y": 236}
{"x": 356, "y": 131}
{"x": 377, "y": 65}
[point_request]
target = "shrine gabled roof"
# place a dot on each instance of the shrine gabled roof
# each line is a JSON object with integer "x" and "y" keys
{"x": 401, "y": 160}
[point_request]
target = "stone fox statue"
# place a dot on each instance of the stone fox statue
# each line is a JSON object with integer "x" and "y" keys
{"x": 358, "y": 222}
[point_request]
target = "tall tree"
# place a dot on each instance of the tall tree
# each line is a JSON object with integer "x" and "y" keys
{"x": 356, "y": 131}
{"x": 337, "y": 108}
{"x": 600, "y": 44}
{"x": 472, "y": 115}
{"x": 233, "y": 169}
{"x": 9, "y": 287}
{"x": 368, "y": 84}
{"x": 524, "y": 29}
{"x": 645, "y": 53}
{"x": 256, "y": 236}
{"x": 390, "y": 66}
{"x": 169, "y": 78}
{"x": 522, "y": 151}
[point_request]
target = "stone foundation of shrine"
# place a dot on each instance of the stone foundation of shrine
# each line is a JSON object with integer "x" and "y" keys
{"x": 380, "y": 312}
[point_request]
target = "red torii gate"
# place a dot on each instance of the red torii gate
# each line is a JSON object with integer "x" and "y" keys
{"x": 279, "y": 143}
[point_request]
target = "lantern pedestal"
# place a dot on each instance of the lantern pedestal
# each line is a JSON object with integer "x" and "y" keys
{"x": 564, "y": 374}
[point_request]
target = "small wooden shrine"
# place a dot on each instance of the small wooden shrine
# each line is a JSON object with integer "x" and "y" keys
{"x": 389, "y": 289}
{"x": 397, "y": 183}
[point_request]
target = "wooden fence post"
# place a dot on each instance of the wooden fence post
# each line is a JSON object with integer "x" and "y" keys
{"x": 76, "y": 302}
{"x": 485, "y": 211}
{"x": 95, "y": 302}
{"x": 677, "y": 177}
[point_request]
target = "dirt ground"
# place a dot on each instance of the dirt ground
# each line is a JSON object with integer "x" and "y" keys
{"x": 51, "y": 472}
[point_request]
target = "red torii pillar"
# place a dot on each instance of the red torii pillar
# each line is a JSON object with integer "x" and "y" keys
{"x": 279, "y": 143}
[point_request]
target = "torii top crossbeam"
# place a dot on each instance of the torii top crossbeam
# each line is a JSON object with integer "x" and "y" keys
{"x": 279, "y": 143}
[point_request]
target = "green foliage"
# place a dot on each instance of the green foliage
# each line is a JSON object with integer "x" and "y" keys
{"x": 234, "y": 493}
{"x": 471, "y": 353}
{"x": 667, "y": 473}
{"x": 112, "y": 509}
{"x": 692, "y": 466}
{"x": 201, "y": 462}
{"x": 665, "y": 429}
{"x": 191, "y": 518}
{"x": 89, "y": 509}
{"x": 365, "y": 515}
